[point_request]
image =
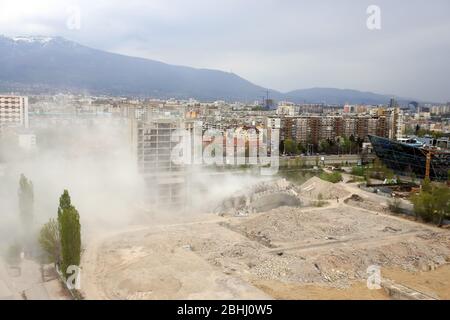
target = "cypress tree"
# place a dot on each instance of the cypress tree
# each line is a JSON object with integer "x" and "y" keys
{"x": 70, "y": 233}
{"x": 26, "y": 200}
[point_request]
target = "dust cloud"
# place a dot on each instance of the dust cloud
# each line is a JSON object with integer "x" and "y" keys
{"x": 95, "y": 163}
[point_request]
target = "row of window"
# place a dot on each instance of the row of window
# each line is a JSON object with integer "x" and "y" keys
{"x": 10, "y": 106}
{"x": 9, "y": 119}
{"x": 9, "y": 100}
{"x": 161, "y": 157}
{"x": 154, "y": 145}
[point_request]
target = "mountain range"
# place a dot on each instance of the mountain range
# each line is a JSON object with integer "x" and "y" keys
{"x": 54, "y": 64}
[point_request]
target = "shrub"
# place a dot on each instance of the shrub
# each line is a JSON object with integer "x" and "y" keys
{"x": 432, "y": 203}
{"x": 358, "y": 171}
{"x": 334, "y": 177}
{"x": 395, "y": 206}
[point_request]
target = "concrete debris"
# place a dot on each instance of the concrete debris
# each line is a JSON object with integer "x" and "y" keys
{"x": 360, "y": 202}
{"x": 390, "y": 229}
{"x": 331, "y": 247}
{"x": 261, "y": 197}
{"x": 316, "y": 188}
{"x": 400, "y": 292}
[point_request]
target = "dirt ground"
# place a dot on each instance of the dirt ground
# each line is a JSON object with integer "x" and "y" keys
{"x": 158, "y": 263}
{"x": 25, "y": 281}
{"x": 285, "y": 253}
{"x": 292, "y": 291}
{"x": 434, "y": 282}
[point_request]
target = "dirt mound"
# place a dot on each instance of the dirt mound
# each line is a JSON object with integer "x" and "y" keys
{"x": 316, "y": 187}
{"x": 360, "y": 202}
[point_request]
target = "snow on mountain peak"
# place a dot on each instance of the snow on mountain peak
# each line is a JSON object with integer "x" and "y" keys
{"x": 33, "y": 39}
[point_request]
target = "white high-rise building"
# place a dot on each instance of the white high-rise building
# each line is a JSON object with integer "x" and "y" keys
{"x": 154, "y": 137}
{"x": 14, "y": 111}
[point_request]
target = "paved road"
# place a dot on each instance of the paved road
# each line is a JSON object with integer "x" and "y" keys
{"x": 328, "y": 159}
{"x": 7, "y": 290}
{"x": 27, "y": 283}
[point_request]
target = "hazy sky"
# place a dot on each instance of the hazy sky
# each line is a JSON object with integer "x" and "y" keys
{"x": 280, "y": 44}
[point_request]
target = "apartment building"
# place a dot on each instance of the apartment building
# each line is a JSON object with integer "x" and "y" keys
{"x": 302, "y": 130}
{"x": 327, "y": 128}
{"x": 14, "y": 111}
{"x": 313, "y": 129}
{"x": 349, "y": 126}
{"x": 155, "y": 136}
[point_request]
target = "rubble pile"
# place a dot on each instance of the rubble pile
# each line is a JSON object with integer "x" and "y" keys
{"x": 304, "y": 246}
{"x": 316, "y": 188}
{"x": 359, "y": 202}
{"x": 261, "y": 197}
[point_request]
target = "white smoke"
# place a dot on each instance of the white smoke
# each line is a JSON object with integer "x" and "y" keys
{"x": 96, "y": 165}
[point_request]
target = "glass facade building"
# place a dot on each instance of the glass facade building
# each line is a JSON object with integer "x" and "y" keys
{"x": 406, "y": 159}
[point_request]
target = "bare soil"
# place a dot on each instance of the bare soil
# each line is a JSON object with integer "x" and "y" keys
{"x": 285, "y": 253}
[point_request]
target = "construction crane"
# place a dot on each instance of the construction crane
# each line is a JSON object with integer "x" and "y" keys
{"x": 429, "y": 153}
{"x": 429, "y": 156}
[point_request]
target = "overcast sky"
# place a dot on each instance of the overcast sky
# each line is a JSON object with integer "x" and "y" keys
{"x": 280, "y": 44}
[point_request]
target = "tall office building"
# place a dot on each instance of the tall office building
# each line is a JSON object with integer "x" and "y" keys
{"x": 393, "y": 103}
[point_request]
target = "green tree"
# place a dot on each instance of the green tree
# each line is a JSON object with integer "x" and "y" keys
{"x": 26, "y": 201}
{"x": 353, "y": 144}
{"x": 50, "y": 241}
{"x": 441, "y": 201}
{"x": 423, "y": 206}
{"x": 64, "y": 202}
{"x": 345, "y": 145}
{"x": 70, "y": 233}
{"x": 434, "y": 134}
{"x": 432, "y": 203}
{"x": 290, "y": 147}
{"x": 324, "y": 146}
{"x": 426, "y": 185}
{"x": 302, "y": 149}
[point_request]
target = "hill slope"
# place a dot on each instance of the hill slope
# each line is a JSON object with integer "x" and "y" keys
{"x": 44, "y": 64}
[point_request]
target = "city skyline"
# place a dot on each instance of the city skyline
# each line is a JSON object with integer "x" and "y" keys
{"x": 289, "y": 46}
